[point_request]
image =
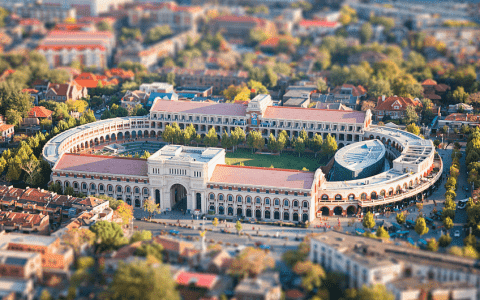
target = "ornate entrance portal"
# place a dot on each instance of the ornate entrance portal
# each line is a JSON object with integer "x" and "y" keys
{"x": 178, "y": 197}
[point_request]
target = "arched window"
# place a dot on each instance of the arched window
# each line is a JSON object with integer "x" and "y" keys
{"x": 277, "y": 202}
{"x": 363, "y": 196}
{"x": 92, "y": 186}
{"x": 338, "y": 197}
{"x": 110, "y": 188}
{"x": 220, "y": 197}
{"x": 276, "y": 215}
{"x": 137, "y": 190}
{"x": 286, "y": 216}
{"x": 295, "y": 203}
{"x": 239, "y": 198}
{"x": 127, "y": 189}
{"x": 211, "y": 196}
{"x": 221, "y": 210}
{"x": 258, "y": 200}
{"x": 119, "y": 189}
{"x": 285, "y": 202}
{"x": 84, "y": 186}
{"x": 230, "y": 198}
{"x": 100, "y": 187}
{"x": 324, "y": 197}
{"x": 267, "y": 201}
{"x": 145, "y": 191}
{"x": 305, "y": 204}
{"x": 249, "y": 199}
{"x": 351, "y": 197}
{"x": 212, "y": 208}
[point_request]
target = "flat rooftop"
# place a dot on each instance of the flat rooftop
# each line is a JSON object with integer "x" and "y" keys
{"x": 186, "y": 154}
{"x": 358, "y": 156}
{"x": 25, "y": 239}
{"x": 203, "y": 108}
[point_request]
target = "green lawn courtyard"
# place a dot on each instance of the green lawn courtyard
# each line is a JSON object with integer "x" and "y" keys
{"x": 286, "y": 160}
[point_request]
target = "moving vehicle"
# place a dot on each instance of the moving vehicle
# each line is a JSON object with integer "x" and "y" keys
{"x": 462, "y": 203}
{"x": 422, "y": 243}
{"x": 173, "y": 231}
{"x": 456, "y": 233}
{"x": 410, "y": 224}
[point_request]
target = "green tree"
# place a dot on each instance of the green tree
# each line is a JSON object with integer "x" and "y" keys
{"x": 171, "y": 78}
{"x": 413, "y": 128}
{"x": 299, "y": 145}
{"x": 421, "y": 226}
{"x": 459, "y": 95}
{"x": 211, "y": 138}
{"x": 366, "y": 32}
{"x": 143, "y": 235}
{"x": 226, "y": 140}
{"x": 150, "y": 249}
{"x": 329, "y": 146}
{"x": 432, "y": 245}
{"x": 157, "y": 33}
{"x": 13, "y": 117}
{"x": 238, "y": 227}
{"x": 411, "y": 115}
{"x": 150, "y": 207}
{"x": 448, "y": 223}
{"x": 382, "y": 233}
{"x": 215, "y": 222}
{"x": 401, "y": 218}
{"x": 45, "y": 295}
{"x": 321, "y": 85}
{"x": 377, "y": 292}
{"x": 312, "y": 274}
{"x": 470, "y": 240}
{"x": 379, "y": 87}
{"x": 104, "y": 26}
{"x": 316, "y": 143}
{"x": 445, "y": 240}
{"x": 250, "y": 262}
{"x": 272, "y": 144}
{"x": 255, "y": 140}
{"x": 368, "y": 221}
{"x": 109, "y": 235}
{"x": 138, "y": 280}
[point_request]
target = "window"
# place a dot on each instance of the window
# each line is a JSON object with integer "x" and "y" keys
{"x": 100, "y": 187}
{"x": 267, "y": 201}
{"x": 145, "y": 191}
{"x": 110, "y": 178}
{"x": 267, "y": 191}
{"x": 286, "y": 193}
{"x": 277, "y": 202}
{"x": 145, "y": 181}
{"x": 258, "y": 190}
{"x": 66, "y": 175}
{"x": 127, "y": 189}
{"x": 118, "y": 179}
{"x": 305, "y": 204}
{"x": 101, "y": 177}
{"x": 84, "y": 186}
{"x": 136, "y": 180}
{"x": 239, "y": 198}
{"x": 248, "y": 190}
{"x": 119, "y": 189}
{"x": 110, "y": 188}
{"x": 128, "y": 180}
{"x": 230, "y": 198}
{"x": 137, "y": 190}
{"x": 295, "y": 203}
{"x": 285, "y": 203}
{"x": 295, "y": 194}
{"x": 276, "y": 192}
{"x": 258, "y": 200}
{"x": 74, "y": 176}
{"x": 92, "y": 177}
{"x": 239, "y": 189}
{"x": 212, "y": 196}
{"x": 305, "y": 195}
{"x": 230, "y": 188}
{"x": 92, "y": 186}
{"x": 84, "y": 176}
{"x": 220, "y": 197}
{"x": 249, "y": 199}
{"x": 221, "y": 188}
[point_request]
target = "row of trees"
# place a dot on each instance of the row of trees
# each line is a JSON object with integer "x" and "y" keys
{"x": 473, "y": 167}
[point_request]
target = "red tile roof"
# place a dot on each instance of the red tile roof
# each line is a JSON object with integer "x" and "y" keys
{"x": 5, "y": 127}
{"x": 281, "y": 178}
{"x": 316, "y": 23}
{"x": 463, "y": 117}
{"x": 102, "y": 164}
{"x": 221, "y": 109}
{"x": 312, "y": 114}
{"x": 394, "y": 101}
{"x": 429, "y": 82}
{"x": 357, "y": 91}
{"x": 57, "y": 40}
{"x": 242, "y": 19}
{"x": 29, "y": 22}
{"x": 39, "y": 112}
{"x": 199, "y": 280}
{"x": 30, "y": 91}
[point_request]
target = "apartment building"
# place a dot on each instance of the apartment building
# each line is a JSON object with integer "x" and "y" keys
{"x": 91, "y": 49}
{"x": 219, "y": 79}
{"x": 24, "y": 222}
{"x": 232, "y": 26}
{"x": 45, "y": 13}
{"x": 368, "y": 261}
{"x": 178, "y": 18}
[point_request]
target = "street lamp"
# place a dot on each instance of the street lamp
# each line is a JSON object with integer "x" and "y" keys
{"x": 203, "y": 224}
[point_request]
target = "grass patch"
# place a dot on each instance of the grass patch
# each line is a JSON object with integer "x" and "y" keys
{"x": 286, "y": 160}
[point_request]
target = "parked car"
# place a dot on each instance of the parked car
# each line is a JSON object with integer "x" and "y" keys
{"x": 456, "y": 233}
{"x": 175, "y": 232}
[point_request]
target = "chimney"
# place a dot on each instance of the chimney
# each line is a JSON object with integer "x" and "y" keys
{"x": 383, "y": 98}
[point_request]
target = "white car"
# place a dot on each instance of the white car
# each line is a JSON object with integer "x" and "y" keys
{"x": 456, "y": 233}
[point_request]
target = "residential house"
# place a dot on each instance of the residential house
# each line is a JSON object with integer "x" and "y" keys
{"x": 41, "y": 85}
{"x": 393, "y": 107}
{"x": 56, "y": 258}
{"x": 132, "y": 98}
{"x": 347, "y": 94}
{"x": 265, "y": 286}
{"x": 90, "y": 80}
{"x": 90, "y": 48}
{"x": 32, "y": 27}
{"x": 457, "y": 120}
{"x": 190, "y": 92}
{"x": 13, "y": 289}
{"x": 21, "y": 265}
{"x": 124, "y": 254}
{"x": 401, "y": 268}
{"x": 219, "y": 79}
{"x": 36, "y": 115}
{"x": 120, "y": 74}
{"x": 36, "y": 95}
{"x": 193, "y": 286}
{"x": 219, "y": 262}
{"x": 316, "y": 28}
{"x": 434, "y": 91}
{"x": 233, "y": 26}
{"x": 7, "y": 132}
{"x": 24, "y": 222}
{"x": 460, "y": 108}
{"x": 62, "y": 92}
{"x": 178, "y": 252}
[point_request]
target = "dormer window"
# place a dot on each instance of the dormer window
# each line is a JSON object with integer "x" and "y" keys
{"x": 396, "y": 107}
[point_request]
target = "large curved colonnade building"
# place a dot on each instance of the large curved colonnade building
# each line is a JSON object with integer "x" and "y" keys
{"x": 195, "y": 178}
